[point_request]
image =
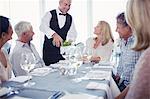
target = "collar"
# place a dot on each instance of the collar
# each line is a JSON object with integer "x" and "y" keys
{"x": 58, "y": 11}
{"x": 130, "y": 39}
{"x": 22, "y": 44}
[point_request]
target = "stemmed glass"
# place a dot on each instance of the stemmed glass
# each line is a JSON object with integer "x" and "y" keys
{"x": 65, "y": 52}
{"x": 27, "y": 63}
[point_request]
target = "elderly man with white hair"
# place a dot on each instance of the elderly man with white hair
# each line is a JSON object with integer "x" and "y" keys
{"x": 25, "y": 33}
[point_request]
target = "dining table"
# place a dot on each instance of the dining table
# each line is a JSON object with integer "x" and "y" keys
{"x": 90, "y": 81}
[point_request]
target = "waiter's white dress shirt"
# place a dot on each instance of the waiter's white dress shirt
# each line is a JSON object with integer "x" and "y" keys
{"x": 44, "y": 27}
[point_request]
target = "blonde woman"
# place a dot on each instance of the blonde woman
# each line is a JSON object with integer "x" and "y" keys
{"x": 5, "y": 35}
{"x": 138, "y": 16}
{"x": 100, "y": 47}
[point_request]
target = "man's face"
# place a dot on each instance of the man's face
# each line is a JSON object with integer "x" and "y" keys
{"x": 124, "y": 31}
{"x": 29, "y": 35}
{"x": 64, "y": 6}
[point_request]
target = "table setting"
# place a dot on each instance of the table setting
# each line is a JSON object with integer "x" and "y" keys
{"x": 64, "y": 79}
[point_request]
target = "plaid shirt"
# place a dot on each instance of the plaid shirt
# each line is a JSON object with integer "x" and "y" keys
{"x": 128, "y": 59}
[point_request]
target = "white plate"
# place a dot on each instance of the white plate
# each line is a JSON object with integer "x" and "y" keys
{"x": 4, "y": 91}
{"x": 21, "y": 79}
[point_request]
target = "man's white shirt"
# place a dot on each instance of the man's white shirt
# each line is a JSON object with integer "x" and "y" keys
{"x": 15, "y": 56}
{"x": 44, "y": 27}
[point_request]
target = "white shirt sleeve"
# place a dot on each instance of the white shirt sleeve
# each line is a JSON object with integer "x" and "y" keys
{"x": 72, "y": 33}
{"x": 44, "y": 27}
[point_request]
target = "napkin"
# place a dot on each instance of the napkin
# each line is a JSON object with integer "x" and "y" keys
{"x": 21, "y": 79}
{"x": 4, "y": 91}
{"x": 105, "y": 63}
{"x": 98, "y": 66}
{"x": 55, "y": 66}
{"x": 93, "y": 86}
{"x": 102, "y": 86}
{"x": 80, "y": 96}
{"x": 97, "y": 75}
{"x": 19, "y": 97}
{"x": 41, "y": 71}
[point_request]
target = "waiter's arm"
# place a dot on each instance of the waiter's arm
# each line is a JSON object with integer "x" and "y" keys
{"x": 44, "y": 26}
{"x": 72, "y": 33}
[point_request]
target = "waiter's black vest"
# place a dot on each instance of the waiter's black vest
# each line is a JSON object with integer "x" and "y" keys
{"x": 51, "y": 53}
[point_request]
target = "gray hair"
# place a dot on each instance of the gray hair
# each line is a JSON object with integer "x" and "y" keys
{"x": 60, "y": 1}
{"x": 22, "y": 27}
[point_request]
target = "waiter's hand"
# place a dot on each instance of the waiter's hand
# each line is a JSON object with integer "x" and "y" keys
{"x": 57, "y": 40}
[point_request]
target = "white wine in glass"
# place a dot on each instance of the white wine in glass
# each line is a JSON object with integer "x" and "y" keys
{"x": 27, "y": 63}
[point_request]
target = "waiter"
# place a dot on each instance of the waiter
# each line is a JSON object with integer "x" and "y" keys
{"x": 58, "y": 26}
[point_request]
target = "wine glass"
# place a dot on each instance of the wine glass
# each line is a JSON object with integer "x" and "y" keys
{"x": 65, "y": 51}
{"x": 27, "y": 63}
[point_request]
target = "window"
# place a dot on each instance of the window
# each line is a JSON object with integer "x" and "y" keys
{"x": 86, "y": 14}
{"x": 107, "y": 10}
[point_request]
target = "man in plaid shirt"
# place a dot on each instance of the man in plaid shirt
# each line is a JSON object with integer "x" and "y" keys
{"x": 128, "y": 57}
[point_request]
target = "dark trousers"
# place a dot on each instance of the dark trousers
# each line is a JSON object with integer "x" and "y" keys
{"x": 122, "y": 86}
{"x": 119, "y": 82}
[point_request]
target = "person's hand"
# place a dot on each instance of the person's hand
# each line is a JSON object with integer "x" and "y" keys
{"x": 57, "y": 40}
{"x": 123, "y": 94}
{"x": 84, "y": 58}
{"x": 95, "y": 59}
{"x": 117, "y": 77}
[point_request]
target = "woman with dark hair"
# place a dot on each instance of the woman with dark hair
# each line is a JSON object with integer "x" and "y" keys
{"x": 5, "y": 35}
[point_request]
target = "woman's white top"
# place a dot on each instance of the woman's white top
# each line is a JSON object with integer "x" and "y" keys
{"x": 104, "y": 52}
{"x": 5, "y": 72}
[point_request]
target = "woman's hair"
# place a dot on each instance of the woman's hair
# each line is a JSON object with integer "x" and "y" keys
{"x": 106, "y": 30}
{"x": 4, "y": 24}
{"x": 138, "y": 16}
{"x": 22, "y": 27}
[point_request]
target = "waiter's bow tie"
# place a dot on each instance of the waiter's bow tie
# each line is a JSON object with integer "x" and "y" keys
{"x": 62, "y": 14}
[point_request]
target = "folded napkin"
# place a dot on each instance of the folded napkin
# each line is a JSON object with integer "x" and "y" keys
{"x": 19, "y": 97}
{"x": 98, "y": 66}
{"x": 102, "y": 86}
{"x": 55, "y": 66}
{"x": 105, "y": 63}
{"x": 80, "y": 96}
{"x": 4, "y": 91}
{"x": 41, "y": 71}
{"x": 97, "y": 75}
{"x": 21, "y": 79}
